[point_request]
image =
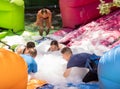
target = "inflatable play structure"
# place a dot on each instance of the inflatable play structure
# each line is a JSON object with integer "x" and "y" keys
{"x": 108, "y": 69}
{"x": 13, "y": 71}
{"x": 78, "y": 12}
{"x": 11, "y": 16}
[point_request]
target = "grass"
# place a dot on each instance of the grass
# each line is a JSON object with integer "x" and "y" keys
{"x": 30, "y": 29}
{"x": 30, "y": 19}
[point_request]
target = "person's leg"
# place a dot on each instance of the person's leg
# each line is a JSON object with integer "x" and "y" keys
{"x": 41, "y": 31}
{"x": 48, "y": 25}
{"x": 41, "y": 25}
{"x": 90, "y": 76}
{"x": 47, "y": 31}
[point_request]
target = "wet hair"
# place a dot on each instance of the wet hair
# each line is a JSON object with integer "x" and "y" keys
{"x": 30, "y": 44}
{"x": 33, "y": 52}
{"x": 66, "y": 50}
{"x": 44, "y": 11}
{"x": 54, "y": 42}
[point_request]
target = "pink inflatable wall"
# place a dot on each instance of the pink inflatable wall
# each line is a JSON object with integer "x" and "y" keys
{"x": 78, "y": 12}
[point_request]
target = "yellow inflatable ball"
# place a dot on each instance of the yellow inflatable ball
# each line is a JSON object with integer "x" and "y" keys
{"x": 13, "y": 71}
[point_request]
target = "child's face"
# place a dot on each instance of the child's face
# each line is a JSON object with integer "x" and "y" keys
{"x": 66, "y": 56}
{"x": 54, "y": 48}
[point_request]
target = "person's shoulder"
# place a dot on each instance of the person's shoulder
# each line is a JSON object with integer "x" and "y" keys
{"x": 84, "y": 54}
{"x": 79, "y": 55}
{"x": 28, "y": 59}
{"x": 74, "y": 56}
{"x": 26, "y": 56}
{"x": 48, "y": 10}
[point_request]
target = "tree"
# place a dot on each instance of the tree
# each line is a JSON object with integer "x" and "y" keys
{"x": 105, "y": 8}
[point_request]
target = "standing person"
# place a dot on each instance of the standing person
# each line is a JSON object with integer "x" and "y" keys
{"x": 44, "y": 19}
{"x": 78, "y": 60}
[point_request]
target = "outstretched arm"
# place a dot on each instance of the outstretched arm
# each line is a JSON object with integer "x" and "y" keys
{"x": 67, "y": 72}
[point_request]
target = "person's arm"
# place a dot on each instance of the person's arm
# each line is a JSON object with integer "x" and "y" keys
{"x": 49, "y": 21}
{"x": 67, "y": 72}
{"x": 34, "y": 66}
{"x": 38, "y": 18}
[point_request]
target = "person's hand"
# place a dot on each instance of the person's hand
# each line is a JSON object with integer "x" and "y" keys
{"x": 52, "y": 27}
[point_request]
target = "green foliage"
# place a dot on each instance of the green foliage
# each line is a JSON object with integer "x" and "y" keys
{"x": 13, "y": 47}
{"x": 106, "y": 7}
{"x": 40, "y": 3}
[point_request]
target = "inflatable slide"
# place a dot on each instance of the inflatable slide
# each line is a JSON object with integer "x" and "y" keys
{"x": 11, "y": 16}
{"x": 78, "y": 12}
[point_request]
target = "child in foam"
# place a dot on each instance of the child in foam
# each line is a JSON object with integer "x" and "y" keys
{"x": 13, "y": 71}
{"x": 108, "y": 69}
{"x": 55, "y": 46}
{"x": 29, "y": 59}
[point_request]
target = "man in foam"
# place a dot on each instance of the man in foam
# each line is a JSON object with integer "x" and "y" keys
{"x": 79, "y": 60}
{"x": 44, "y": 19}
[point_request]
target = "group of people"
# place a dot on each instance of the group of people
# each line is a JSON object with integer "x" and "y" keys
{"x": 81, "y": 60}
{"x": 28, "y": 53}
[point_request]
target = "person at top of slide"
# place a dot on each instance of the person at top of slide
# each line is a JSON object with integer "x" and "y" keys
{"x": 44, "y": 19}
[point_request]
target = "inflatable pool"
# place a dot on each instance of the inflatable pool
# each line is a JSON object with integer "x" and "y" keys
{"x": 108, "y": 69}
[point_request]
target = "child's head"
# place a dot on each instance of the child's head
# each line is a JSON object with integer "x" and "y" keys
{"x": 54, "y": 46}
{"x": 30, "y": 44}
{"x": 33, "y": 52}
{"x": 66, "y": 53}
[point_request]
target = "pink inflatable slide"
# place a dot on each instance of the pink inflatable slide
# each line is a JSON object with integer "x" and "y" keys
{"x": 78, "y": 12}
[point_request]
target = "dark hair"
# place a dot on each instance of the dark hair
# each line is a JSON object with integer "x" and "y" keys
{"x": 44, "y": 11}
{"x": 54, "y": 42}
{"x": 30, "y": 44}
{"x": 66, "y": 50}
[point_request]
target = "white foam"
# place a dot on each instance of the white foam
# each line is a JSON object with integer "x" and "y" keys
{"x": 51, "y": 68}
